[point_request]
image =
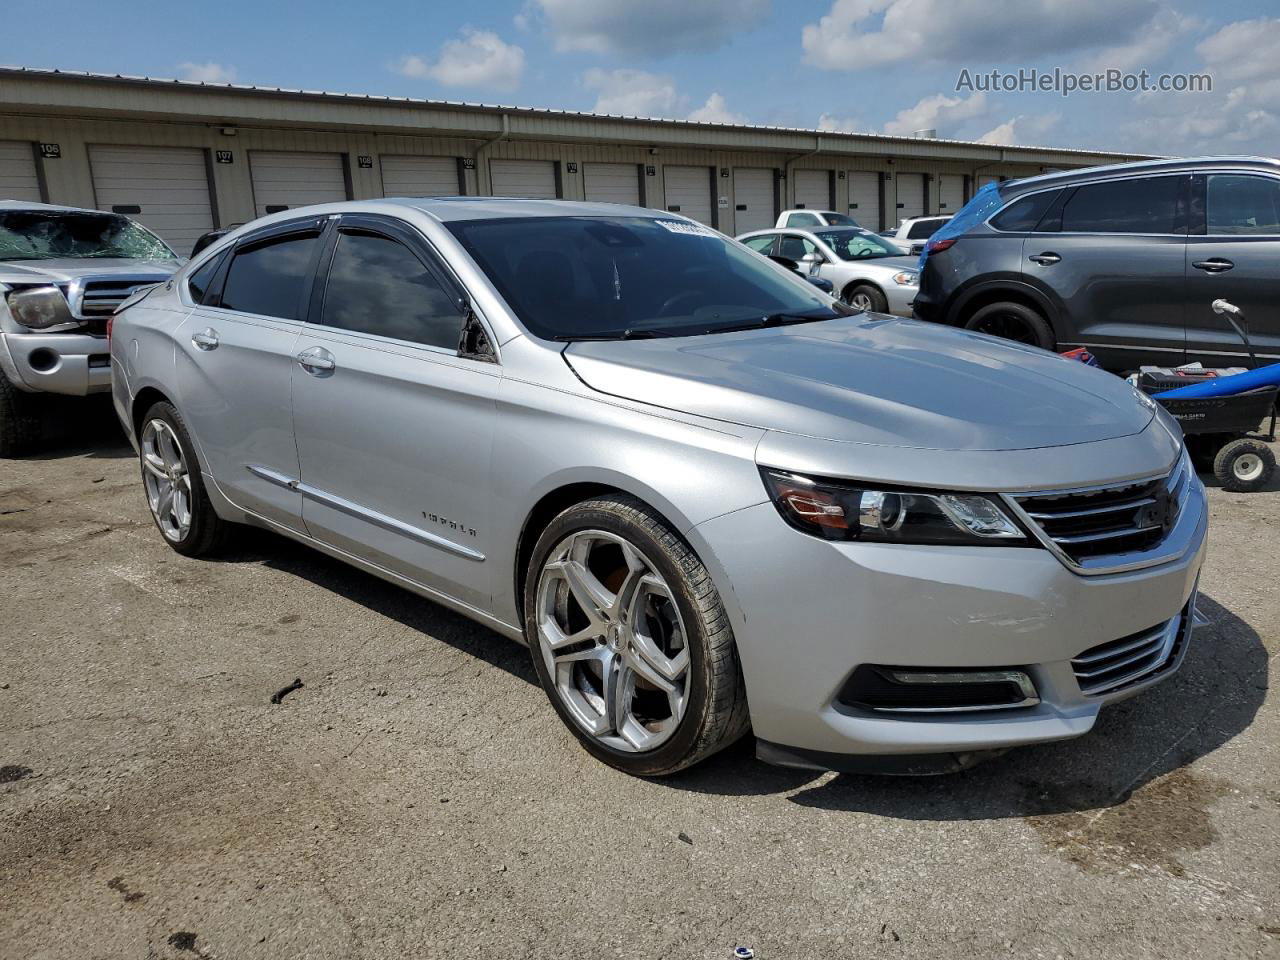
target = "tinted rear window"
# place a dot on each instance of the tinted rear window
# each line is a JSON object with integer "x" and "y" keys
{"x": 269, "y": 279}
{"x": 1141, "y": 205}
{"x": 1023, "y": 215}
{"x": 924, "y": 229}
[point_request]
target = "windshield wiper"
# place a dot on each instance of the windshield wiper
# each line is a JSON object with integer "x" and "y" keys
{"x": 775, "y": 320}
{"x": 615, "y": 335}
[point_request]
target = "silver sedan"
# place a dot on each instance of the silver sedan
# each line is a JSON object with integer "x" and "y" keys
{"x": 867, "y": 272}
{"x": 709, "y": 498}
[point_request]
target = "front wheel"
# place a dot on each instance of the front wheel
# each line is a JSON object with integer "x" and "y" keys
{"x": 1013, "y": 321}
{"x": 866, "y": 299}
{"x": 630, "y": 639}
{"x": 174, "y": 486}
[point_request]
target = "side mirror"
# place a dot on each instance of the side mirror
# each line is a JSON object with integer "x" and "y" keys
{"x": 813, "y": 258}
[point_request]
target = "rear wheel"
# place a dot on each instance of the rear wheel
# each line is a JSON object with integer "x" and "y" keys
{"x": 1013, "y": 321}
{"x": 19, "y": 422}
{"x": 630, "y": 639}
{"x": 1244, "y": 465}
{"x": 174, "y": 485}
{"x": 866, "y": 299}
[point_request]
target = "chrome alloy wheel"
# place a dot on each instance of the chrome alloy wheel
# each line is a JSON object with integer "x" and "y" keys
{"x": 861, "y": 302}
{"x": 167, "y": 480}
{"x": 613, "y": 641}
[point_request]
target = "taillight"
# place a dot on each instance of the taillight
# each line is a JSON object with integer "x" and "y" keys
{"x": 937, "y": 246}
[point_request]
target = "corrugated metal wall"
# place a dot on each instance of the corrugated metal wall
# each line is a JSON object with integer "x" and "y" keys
{"x": 68, "y": 177}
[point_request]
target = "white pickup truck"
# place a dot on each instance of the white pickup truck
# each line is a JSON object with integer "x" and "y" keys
{"x": 803, "y": 219}
{"x": 63, "y": 273}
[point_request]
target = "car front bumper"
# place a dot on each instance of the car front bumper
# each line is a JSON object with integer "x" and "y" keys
{"x": 899, "y": 298}
{"x": 70, "y": 363}
{"x": 807, "y": 612}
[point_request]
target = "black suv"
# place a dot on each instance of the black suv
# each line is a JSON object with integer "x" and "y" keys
{"x": 1124, "y": 260}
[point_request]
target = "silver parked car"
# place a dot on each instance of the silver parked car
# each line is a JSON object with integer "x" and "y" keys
{"x": 63, "y": 272}
{"x": 866, "y": 271}
{"x": 705, "y": 494}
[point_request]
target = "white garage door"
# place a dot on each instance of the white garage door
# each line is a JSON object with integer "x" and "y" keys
{"x": 864, "y": 198}
{"x": 283, "y": 181}
{"x": 164, "y": 188}
{"x": 688, "y": 192}
{"x": 612, "y": 182}
{"x": 950, "y": 193}
{"x": 420, "y": 177}
{"x": 753, "y": 199}
{"x": 910, "y": 195}
{"x": 523, "y": 178}
{"x": 813, "y": 189}
{"x": 18, "y": 180}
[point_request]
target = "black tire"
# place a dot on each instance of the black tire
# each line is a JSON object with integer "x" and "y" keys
{"x": 207, "y": 532}
{"x": 715, "y": 714}
{"x": 875, "y": 300}
{"x": 1013, "y": 321}
{"x": 19, "y": 421}
{"x": 1244, "y": 465}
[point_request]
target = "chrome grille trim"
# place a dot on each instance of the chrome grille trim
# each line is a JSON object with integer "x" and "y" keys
{"x": 1113, "y": 666}
{"x": 1100, "y": 523}
{"x": 96, "y": 297}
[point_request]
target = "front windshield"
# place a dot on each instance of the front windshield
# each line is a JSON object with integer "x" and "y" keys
{"x": 49, "y": 235}
{"x": 607, "y": 277}
{"x": 857, "y": 244}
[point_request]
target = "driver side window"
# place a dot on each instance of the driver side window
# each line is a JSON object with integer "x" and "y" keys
{"x": 794, "y": 248}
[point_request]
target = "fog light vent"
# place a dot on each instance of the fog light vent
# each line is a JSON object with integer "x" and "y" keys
{"x": 926, "y": 690}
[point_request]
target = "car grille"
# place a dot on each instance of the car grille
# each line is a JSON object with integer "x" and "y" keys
{"x": 1112, "y": 666}
{"x": 101, "y": 298}
{"x": 1106, "y": 521}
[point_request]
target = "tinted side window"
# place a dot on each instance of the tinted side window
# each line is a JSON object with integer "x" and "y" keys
{"x": 1243, "y": 205}
{"x": 379, "y": 286}
{"x": 793, "y": 248}
{"x": 760, "y": 244}
{"x": 802, "y": 220}
{"x": 1141, "y": 205}
{"x": 198, "y": 282}
{"x": 270, "y": 278}
{"x": 1023, "y": 215}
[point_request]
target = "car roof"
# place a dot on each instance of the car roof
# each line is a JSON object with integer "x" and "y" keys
{"x": 45, "y": 207}
{"x": 1066, "y": 177}
{"x": 448, "y": 209}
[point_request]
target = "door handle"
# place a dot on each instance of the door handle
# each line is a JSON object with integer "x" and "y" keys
{"x": 317, "y": 361}
{"x": 1045, "y": 259}
{"x": 1213, "y": 265}
{"x": 206, "y": 339}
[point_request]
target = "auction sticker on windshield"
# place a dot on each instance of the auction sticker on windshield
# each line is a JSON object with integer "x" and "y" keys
{"x": 689, "y": 229}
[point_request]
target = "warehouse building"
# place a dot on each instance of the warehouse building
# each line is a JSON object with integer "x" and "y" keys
{"x": 184, "y": 157}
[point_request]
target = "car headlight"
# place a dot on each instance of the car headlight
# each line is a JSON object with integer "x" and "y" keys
{"x": 39, "y": 307}
{"x": 906, "y": 279}
{"x": 847, "y": 510}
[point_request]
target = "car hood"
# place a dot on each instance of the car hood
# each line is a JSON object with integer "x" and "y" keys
{"x": 69, "y": 268}
{"x": 871, "y": 379}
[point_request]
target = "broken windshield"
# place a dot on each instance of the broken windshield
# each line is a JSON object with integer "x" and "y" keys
{"x": 49, "y": 235}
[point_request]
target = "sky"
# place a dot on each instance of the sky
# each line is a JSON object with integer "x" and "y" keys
{"x": 869, "y": 66}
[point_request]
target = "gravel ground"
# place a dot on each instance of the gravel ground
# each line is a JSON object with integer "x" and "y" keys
{"x": 418, "y": 797}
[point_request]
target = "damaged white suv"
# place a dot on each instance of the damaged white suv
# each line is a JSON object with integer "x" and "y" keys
{"x": 63, "y": 273}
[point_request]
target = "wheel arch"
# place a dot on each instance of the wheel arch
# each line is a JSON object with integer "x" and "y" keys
{"x": 144, "y": 400}
{"x": 862, "y": 282}
{"x": 974, "y": 299}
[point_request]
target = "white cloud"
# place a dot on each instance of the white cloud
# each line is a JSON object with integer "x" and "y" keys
{"x": 1240, "y": 115}
{"x": 206, "y": 72}
{"x": 858, "y": 34}
{"x": 633, "y": 93}
{"x": 481, "y": 59}
{"x": 829, "y": 123}
{"x": 1020, "y": 130}
{"x": 654, "y": 27}
{"x": 1151, "y": 43}
{"x": 938, "y": 112}
{"x": 716, "y": 110}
